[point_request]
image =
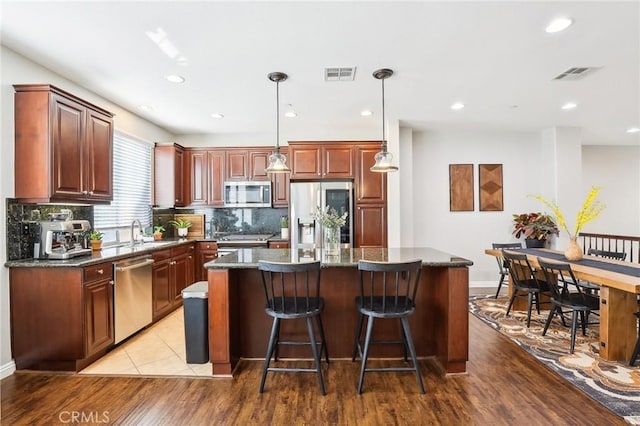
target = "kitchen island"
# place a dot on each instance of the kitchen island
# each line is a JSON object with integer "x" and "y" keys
{"x": 239, "y": 327}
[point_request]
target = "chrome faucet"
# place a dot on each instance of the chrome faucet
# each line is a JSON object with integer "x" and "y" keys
{"x": 133, "y": 225}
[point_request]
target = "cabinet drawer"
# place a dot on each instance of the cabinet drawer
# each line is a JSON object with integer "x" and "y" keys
{"x": 278, "y": 244}
{"x": 207, "y": 246}
{"x": 98, "y": 272}
{"x": 182, "y": 250}
{"x": 160, "y": 255}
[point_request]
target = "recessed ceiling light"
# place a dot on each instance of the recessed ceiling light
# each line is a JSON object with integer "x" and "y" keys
{"x": 457, "y": 106}
{"x": 569, "y": 105}
{"x": 290, "y": 114}
{"x": 366, "y": 113}
{"x": 145, "y": 108}
{"x": 633, "y": 130}
{"x": 217, "y": 116}
{"x": 175, "y": 78}
{"x": 559, "y": 24}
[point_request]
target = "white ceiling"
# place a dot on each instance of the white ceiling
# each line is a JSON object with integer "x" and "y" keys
{"x": 493, "y": 56}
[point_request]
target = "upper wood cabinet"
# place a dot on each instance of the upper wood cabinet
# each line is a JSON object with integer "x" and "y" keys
{"x": 169, "y": 176}
{"x": 258, "y": 162}
{"x": 247, "y": 164}
{"x": 280, "y": 185}
{"x": 326, "y": 160}
{"x": 237, "y": 164}
{"x": 205, "y": 176}
{"x": 63, "y": 147}
{"x": 371, "y": 187}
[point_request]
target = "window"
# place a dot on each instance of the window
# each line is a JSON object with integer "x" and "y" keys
{"x": 131, "y": 187}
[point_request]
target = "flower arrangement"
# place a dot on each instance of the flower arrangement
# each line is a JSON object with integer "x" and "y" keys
{"x": 329, "y": 217}
{"x": 536, "y": 226}
{"x": 591, "y": 209}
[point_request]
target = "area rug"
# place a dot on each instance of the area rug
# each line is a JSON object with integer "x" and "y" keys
{"x": 615, "y": 385}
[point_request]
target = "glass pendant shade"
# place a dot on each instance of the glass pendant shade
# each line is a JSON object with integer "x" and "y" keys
{"x": 384, "y": 162}
{"x": 277, "y": 160}
{"x": 278, "y": 163}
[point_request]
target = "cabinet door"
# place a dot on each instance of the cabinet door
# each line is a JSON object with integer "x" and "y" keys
{"x": 183, "y": 274}
{"x": 306, "y": 161}
{"x": 280, "y": 189}
{"x": 98, "y": 313}
{"x": 205, "y": 253}
{"x": 258, "y": 162}
{"x": 162, "y": 288}
{"x": 371, "y": 226}
{"x": 198, "y": 177}
{"x": 337, "y": 161}
{"x": 178, "y": 177}
{"x": 237, "y": 164}
{"x": 99, "y": 150}
{"x": 67, "y": 145}
{"x": 371, "y": 187}
{"x": 216, "y": 167}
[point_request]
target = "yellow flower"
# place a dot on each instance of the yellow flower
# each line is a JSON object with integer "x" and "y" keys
{"x": 591, "y": 209}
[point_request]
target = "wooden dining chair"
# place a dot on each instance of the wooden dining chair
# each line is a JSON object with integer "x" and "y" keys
{"x": 525, "y": 282}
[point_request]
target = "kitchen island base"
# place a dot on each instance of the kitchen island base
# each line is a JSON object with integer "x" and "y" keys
{"x": 239, "y": 327}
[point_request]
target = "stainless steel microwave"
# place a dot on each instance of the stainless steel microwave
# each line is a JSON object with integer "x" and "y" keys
{"x": 247, "y": 194}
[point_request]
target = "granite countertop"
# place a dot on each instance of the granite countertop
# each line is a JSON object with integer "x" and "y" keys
{"x": 248, "y": 258}
{"x": 107, "y": 254}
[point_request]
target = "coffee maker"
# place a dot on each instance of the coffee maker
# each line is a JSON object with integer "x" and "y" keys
{"x": 61, "y": 239}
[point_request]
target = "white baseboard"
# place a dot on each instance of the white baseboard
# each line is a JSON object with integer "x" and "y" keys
{"x": 483, "y": 284}
{"x": 7, "y": 369}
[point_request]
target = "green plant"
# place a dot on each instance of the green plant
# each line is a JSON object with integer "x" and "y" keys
{"x": 158, "y": 229}
{"x": 536, "y": 226}
{"x": 95, "y": 235}
{"x": 180, "y": 223}
{"x": 284, "y": 222}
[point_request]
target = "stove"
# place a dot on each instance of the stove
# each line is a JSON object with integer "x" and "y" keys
{"x": 244, "y": 240}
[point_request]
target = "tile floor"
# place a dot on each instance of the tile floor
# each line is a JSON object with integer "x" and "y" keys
{"x": 156, "y": 351}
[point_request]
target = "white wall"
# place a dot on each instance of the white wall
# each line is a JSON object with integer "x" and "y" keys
{"x": 16, "y": 69}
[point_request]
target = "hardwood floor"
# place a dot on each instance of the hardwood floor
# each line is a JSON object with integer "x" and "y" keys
{"x": 504, "y": 386}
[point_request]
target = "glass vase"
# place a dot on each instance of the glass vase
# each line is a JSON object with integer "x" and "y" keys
{"x": 332, "y": 241}
{"x": 573, "y": 251}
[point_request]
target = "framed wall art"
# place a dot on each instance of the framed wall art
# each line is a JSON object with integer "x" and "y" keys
{"x": 461, "y": 187}
{"x": 490, "y": 187}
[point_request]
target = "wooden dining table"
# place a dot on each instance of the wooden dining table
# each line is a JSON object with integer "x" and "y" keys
{"x": 618, "y": 298}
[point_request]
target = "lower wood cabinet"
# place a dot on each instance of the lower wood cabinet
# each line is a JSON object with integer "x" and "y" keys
{"x": 278, "y": 244}
{"x": 371, "y": 225}
{"x": 173, "y": 271}
{"x": 205, "y": 252}
{"x": 61, "y": 318}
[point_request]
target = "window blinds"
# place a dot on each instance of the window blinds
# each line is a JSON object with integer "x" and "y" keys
{"x": 131, "y": 185}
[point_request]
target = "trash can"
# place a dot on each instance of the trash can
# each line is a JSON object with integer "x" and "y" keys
{"x": 196, "y": 322}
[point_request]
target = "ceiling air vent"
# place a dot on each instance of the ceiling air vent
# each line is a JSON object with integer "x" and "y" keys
{"x": 339, "y": 73}
{"x": 575, "y": 73}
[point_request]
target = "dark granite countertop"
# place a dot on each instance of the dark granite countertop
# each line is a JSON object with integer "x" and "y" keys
{"x": 107, "y": 254}
{"x": 248, "y": 258}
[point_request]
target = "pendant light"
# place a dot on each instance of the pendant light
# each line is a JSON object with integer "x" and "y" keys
{"x": 384, "y": 158}
{"x": 277, "y": 161}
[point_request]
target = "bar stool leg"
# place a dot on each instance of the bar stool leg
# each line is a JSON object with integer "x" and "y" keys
{"x": 365, "y": 352}
{"x": 356, "y": 344}
{"x": 272, "y": 343}
{"x": 316, "y": 357}
{"x": 412, "y": 351}
{"x": 323, "y": 346}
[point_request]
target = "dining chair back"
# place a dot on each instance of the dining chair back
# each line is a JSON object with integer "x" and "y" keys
{"x": 616, "y": 255}
{"x": 525, "y": 282}
{"x": 503, "y": 266}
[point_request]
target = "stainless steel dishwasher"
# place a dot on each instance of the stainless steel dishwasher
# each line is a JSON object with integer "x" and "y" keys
{"x": 133, "y": 303}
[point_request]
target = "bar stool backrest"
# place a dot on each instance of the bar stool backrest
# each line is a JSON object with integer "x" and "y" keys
{"x": 389, "y": 288}
{"x": 291, "y": 288}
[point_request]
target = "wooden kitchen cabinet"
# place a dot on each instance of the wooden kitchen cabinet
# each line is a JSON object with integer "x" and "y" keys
{"x": 371, "y": 225}
{"x": 371, "y": 187}
{"x": 63, "y": 147}
{"x": 237, "y": 164}
{"x": 173, "y": 270}
{"x": 327, "y": 160}
{"x": 169, "y": 175}
{"x": 61, "y": 318}
{"x": 278, "y": 244}
{"x": 280, "y": 185}
{"x": 248, "y": 164}
{"x": 258, "y": 162}
{"x": 205, "y": 173}
{"x": 205, "y": 252}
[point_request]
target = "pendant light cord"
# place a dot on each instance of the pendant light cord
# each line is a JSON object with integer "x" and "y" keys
{"x": 384, "y": 141}
{"x": 278, "y": 117}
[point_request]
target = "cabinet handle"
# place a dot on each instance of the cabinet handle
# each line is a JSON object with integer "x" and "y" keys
{"x": 90, "y": 192}
{"x": 190, "y": 257}
{"x": 100, "y": 271}
{"x": 176, "y": 200}
{"x": 112, "y": 282}
{"x": 85, "y": 192}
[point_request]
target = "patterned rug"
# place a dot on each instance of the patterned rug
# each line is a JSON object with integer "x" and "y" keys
{"x": 615, "y": 385}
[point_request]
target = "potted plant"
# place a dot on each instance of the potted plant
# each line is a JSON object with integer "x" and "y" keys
{"x": 182, "y": 225}
{"x": 95, "y": 239}
{"x": 157, "y": 232}
{"x": 284, "y": 227}
{"x": 535, "y": 227}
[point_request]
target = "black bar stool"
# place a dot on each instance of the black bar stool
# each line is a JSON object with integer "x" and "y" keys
{"x": 292, "y": 291}
{"x": 636, "y": 351}
{"x": 387, "y": 290}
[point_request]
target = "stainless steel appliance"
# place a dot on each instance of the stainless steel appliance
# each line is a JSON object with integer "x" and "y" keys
{"x": 61, "y": 239}
{"x": 247, "y": 194}
{"x": 306, "y": 198}
{"x": 133, "y": 301}
{"x": 244, "y": 240}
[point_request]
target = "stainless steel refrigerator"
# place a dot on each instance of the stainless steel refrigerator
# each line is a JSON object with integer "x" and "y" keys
{"x": 306, "y": 198}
